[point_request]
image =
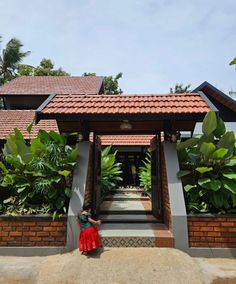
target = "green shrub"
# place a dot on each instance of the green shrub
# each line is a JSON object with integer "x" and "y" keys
{"x": 36, "y": 178}
{"x": 110, "y": 171}
{"x": 208, "y": 168}
{"x": 145, "y": 173}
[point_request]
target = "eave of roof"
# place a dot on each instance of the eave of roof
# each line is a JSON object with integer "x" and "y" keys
{"x": 123, "y": 105}
{"x": 218, "y": 95}
{"x": 47, "y": 85}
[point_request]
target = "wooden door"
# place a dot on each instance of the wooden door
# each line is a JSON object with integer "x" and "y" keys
{"x": 97, "y": 175}
{"x": 156, "y": 176}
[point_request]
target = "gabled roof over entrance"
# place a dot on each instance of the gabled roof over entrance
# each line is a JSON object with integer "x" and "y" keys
{"x": 47, "y": 85}
{"x": 185, "y": 103}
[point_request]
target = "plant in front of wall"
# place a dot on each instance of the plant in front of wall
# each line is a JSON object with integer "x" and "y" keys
{"x": 208, "y": 168}
{"x": 36, "y": 177}
{"x": 145, "y": 173}
{"x": 110, "y": 171}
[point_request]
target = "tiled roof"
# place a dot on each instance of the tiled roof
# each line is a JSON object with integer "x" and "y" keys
{"x": 127, "y": 104}
{"x": 126, "y": 140}
{"x": 10, "y": 119}
{"x": 46, "y": 85}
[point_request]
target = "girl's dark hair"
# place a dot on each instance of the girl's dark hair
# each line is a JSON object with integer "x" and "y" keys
{"x": 87, "y": 206}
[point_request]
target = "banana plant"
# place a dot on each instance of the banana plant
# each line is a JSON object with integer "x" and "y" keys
{"x": 110, "y": 171}
{"x": 145, "y": 173}
{"x": 208, "y": 168}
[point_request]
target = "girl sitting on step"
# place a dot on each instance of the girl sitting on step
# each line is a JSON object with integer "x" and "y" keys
{"x": 89, "y": 238}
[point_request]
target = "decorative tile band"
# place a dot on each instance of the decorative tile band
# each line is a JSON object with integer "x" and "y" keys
{"x": 128, "y": 241}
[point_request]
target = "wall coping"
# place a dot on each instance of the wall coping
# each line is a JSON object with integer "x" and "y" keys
{"x": 211, "y": 215}
{"x": 32, "y": 218}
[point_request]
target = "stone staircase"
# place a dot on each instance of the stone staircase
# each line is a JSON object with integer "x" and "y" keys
{"x": 127, "y": 221}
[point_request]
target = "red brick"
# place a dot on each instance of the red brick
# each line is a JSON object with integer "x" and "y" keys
{"x": 31, "y": 234}
{"x": 43, "y": 224}
{"x": 219, "y": 229}
{"x": 3, "y": 223}
{"x": 63, "y": 229}
{"x": 227, "y": 224}
{"x": 207, "y": 229}
{"x": 29, "y": 224}
{"x": 57, "y": 224}
{"x": 57, "y": 234}
{"x": 49, "y": 229}
{"x": 214, "y": 224}
{"x": 214, "y": 234}
{"x": 220, "y": 240}
{"x": 3, "y": 234}
{"x": 7, "y": 229}
{"x": 232, "y": 229}
{"x": 200, "y": 224}
{"x": 35, "y": 239}
{"x": 7, "y": 239}
{"x": 36, "y": 228}
{"x": 15, "y": 234}
{"x": 3, "y": 244}
{"x": 50, "y": 239}
{"x": 198, "y": 234}
{"x": 42, "y": 234}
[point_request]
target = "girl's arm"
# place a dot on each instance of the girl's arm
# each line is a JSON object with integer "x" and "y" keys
{"x": 94, "y": 222}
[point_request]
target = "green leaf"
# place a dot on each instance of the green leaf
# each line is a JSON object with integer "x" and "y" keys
{"x": 189, "y": 186}
{"x": 19, "y": 190}
{"x": 64, "y": 173}
{"x": 60, "y": 202}
{"x": 29, "y": 126}
{"x": 59, "y": 139}
{"x": 208, "y": 183}
{"x": 68, "y": 192}
{"x": 182, "y": 173}
{"x": 188, "y": 143}
{"x": 207, "y": 148}
{"x": 229, "y": 174}
{"x": 203, "y": 170}
{"x": 231, "y": 163}
{"x": 220, "y": 130}
{"x": 230, "y": 185}
{"x": 219, "y": 153}
{"x": 209, "y": 123}
{"x": 233, "y": 62}
{"x": 8, "y": 180}
{"x": 37, "y": 147}
{"x": 8, "y": 200}
{"x": 3, "y": 168}
{"x": 227, "y": 141}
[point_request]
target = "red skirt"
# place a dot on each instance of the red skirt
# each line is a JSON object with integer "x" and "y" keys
{"x": 89, "y": 239}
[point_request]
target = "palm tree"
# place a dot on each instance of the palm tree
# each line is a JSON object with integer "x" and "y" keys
{"x": 10, "y": 59}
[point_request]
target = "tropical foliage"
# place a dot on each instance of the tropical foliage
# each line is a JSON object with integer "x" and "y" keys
{"x": 36, "y": 177}
{"x": 145, "y": 173}
{"x": 180, "y": 88}
{"x": 208, "y": 168}
{"x": 11, "y": 57}
{"x": 111, "y": 84}
{"x": 110, "y": 171}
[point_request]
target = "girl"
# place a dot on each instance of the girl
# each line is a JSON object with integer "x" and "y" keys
{"x": 89, "y": 238}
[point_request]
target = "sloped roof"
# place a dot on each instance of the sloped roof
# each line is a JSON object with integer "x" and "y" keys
{"x": 46, "y": 85}
{"x": 10, "y": 119}
{"x": 126, "y": 140}
{"x": 218, "y": 95}
{"x": 187, "y": 103}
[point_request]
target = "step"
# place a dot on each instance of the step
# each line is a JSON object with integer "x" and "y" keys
{"x": 127, "y": 205}
{"x": 136, "y": 235}
{"x": 128, "y": 218}
{"x": 125, "y": 212}
{"x": 132, "y": 190}
{"x": 125, "y": 196}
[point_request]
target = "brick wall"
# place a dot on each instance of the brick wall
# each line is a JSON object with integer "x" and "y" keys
{"x": 32, "y": 231}
{"x": 165, "y": 192}
{"x": 212, "y": 231}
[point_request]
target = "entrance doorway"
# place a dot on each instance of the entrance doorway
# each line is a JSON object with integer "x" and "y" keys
{"x": 129, "y": 202}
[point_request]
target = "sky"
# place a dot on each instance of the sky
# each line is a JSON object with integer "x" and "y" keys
{"x": 155, "y": 44}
